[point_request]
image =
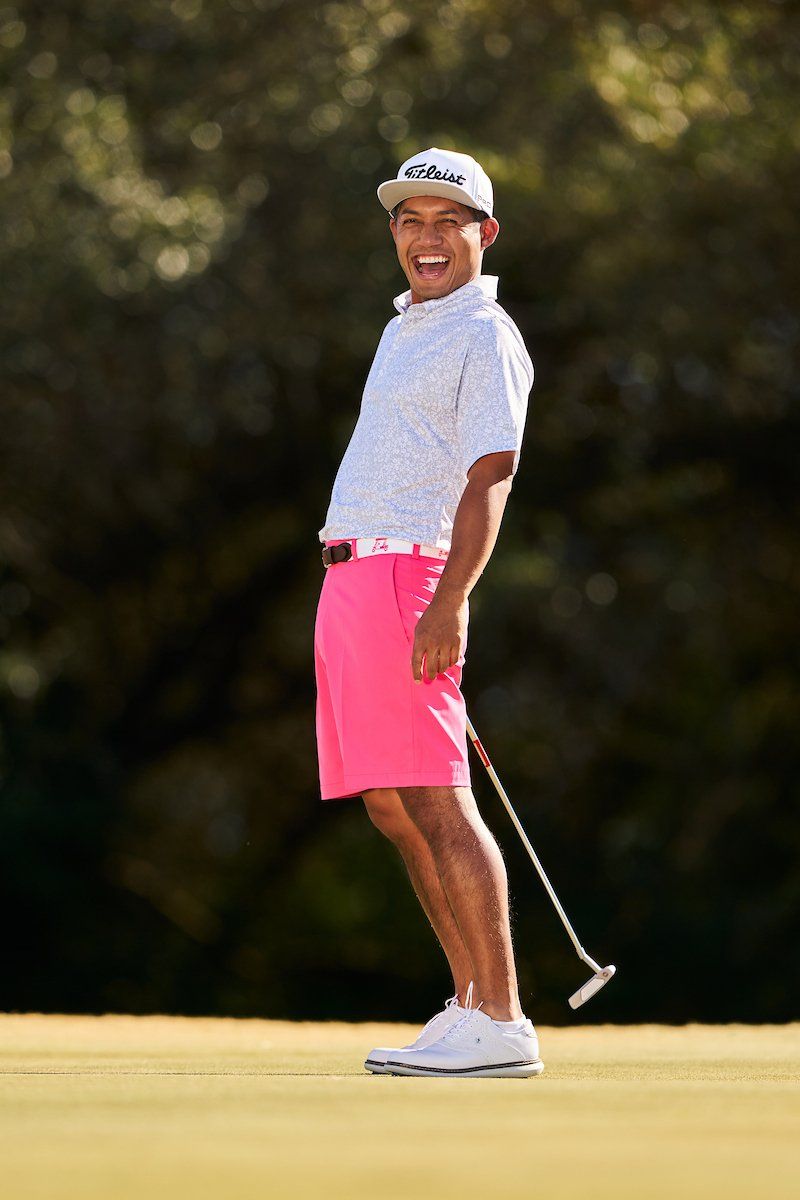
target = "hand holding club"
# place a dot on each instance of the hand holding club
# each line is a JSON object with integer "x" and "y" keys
{"x": 439, "y": 637}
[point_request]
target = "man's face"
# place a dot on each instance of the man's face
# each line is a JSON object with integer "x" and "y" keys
{"x": 431, "y": 228}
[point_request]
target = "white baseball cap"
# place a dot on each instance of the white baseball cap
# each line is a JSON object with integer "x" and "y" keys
{"x": 437, "y": 172}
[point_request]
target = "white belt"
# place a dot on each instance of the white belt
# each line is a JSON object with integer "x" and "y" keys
{"x": 361, "y": 547}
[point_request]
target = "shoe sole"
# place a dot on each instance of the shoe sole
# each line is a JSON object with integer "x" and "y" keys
{"x": 377, "y": 1068}
{"x": 515, "y": 1070}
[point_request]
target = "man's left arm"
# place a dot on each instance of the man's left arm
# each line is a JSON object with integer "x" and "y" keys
{"x": 441, "y": 630}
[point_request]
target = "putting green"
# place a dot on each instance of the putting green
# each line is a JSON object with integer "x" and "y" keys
{"x": 162, "y": 1107}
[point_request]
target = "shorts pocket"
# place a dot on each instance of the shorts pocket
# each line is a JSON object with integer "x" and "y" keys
{"x": 415, "y": 581}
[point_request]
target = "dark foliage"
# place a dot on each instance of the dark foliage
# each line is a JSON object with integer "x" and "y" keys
{"x": 196, "y": 273}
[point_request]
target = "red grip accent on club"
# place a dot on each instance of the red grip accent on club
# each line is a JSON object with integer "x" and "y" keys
{"x": 484, "y": 756}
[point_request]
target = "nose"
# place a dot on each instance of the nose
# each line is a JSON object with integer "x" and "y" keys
{"x": 429, "y": 233}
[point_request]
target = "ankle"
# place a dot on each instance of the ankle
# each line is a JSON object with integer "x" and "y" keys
{"x": 463, "y": 994}
{"x": 503, "y": 1009}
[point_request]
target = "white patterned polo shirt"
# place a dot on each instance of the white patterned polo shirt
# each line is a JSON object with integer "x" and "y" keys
{"x": 449, "y": 383}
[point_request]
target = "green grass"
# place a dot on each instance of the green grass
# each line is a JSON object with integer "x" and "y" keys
{"x": 156, "y": 1107}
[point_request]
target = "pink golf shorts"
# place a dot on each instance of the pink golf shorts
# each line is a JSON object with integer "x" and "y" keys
{"x": 376, "y": 727}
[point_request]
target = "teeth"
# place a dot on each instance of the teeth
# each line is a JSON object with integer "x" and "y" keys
{"x": 429, "y": 258}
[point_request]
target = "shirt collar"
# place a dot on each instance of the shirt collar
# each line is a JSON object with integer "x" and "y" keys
{"x": 482, "y": 285}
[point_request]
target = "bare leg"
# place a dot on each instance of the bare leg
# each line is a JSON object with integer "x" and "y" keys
{"x": 472, "y": 873}
{"x": 387, "y": 812}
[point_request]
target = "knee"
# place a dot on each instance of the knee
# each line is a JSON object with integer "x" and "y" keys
{"x": 438, "y": 812}
{"x": 385, "y": 810}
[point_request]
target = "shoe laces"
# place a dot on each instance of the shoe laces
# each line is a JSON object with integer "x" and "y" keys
{"x": 459, "y": 1026}
{"x": 448, "y": 1004}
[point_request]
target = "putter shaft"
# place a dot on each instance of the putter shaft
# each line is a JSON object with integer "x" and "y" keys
{"x": 602, "y": 974}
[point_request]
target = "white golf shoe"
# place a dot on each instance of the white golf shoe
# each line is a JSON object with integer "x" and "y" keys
{"x": 475, "y": 1046}
{"x": 439, "y": 1024}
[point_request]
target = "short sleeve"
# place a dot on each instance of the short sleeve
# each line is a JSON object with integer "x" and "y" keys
{"x": 493, "y": 393}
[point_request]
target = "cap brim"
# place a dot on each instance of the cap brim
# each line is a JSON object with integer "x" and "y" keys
{"x": 395, "y": 190}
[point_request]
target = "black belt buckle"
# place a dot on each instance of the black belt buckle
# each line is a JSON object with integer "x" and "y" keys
{"x": 336, "y": 554}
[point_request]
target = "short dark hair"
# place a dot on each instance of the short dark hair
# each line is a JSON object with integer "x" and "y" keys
{"x": 477, "y": 213}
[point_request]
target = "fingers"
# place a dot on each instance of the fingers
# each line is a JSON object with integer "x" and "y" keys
{"x": 416, "y": 661}
{"x": 435, "y": 661}
{"x": 431, "y": 657}
{"x": 431, "y": 660}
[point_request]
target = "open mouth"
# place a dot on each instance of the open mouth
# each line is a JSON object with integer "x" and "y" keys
{"x": 430, "y": 266}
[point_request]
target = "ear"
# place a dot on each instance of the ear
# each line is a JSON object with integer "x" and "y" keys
{"x": 489, "y": 231}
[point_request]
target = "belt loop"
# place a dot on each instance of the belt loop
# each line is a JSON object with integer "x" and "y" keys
{"x": 415, "y": 551}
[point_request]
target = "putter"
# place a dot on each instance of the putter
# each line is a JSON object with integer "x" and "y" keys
{"x": 601, "y": 974}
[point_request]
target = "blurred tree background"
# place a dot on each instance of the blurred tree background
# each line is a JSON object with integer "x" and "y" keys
{"x": 196, "y": 273}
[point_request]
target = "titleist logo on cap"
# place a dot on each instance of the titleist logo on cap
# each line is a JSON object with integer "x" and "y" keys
{"x": 443, "y": 173}
{"x": 425, "y": 171}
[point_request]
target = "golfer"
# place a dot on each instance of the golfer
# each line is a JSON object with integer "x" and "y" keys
{"x": 413, "y": 519}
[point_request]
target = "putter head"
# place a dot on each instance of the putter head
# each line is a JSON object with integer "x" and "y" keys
{"x": 591, "y": 987}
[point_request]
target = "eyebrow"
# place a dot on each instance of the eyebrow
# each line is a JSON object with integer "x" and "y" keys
{"x": 443, "y": 212}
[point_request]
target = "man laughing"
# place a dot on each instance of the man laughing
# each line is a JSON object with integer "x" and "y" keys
{"x": 413, "y": 519}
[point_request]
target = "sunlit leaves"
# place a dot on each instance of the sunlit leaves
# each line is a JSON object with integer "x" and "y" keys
{"x": 196, "y": 273}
